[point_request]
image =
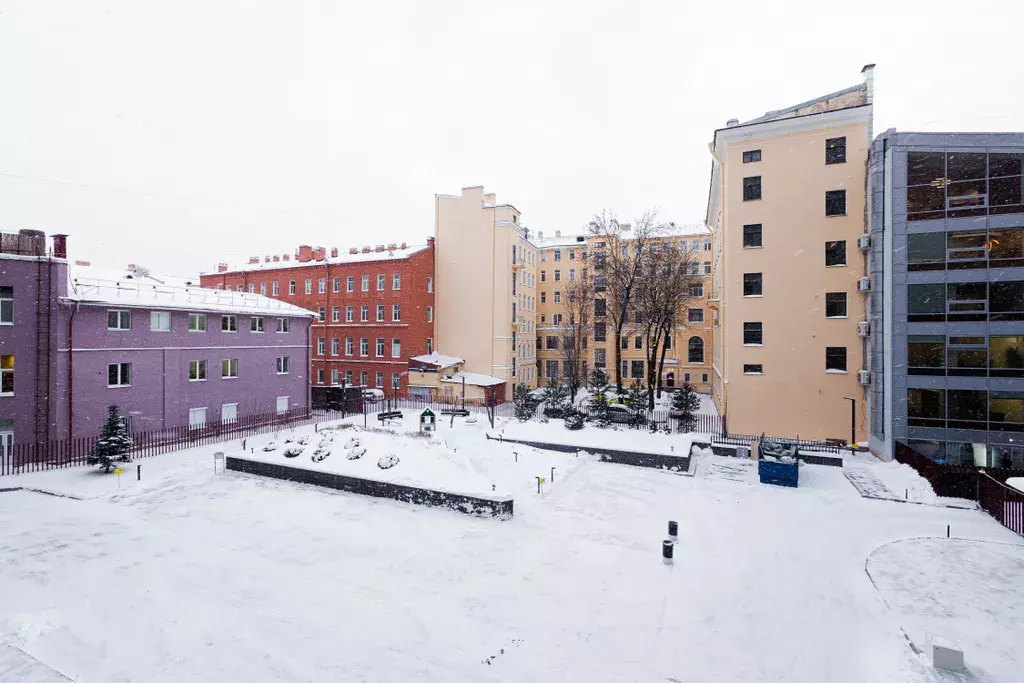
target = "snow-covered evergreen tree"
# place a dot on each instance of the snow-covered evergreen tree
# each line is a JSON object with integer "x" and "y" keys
{"x": 685, "y": 404}
{"x": 556, "y": 397}
{"x": 599, "y": 401}
{"x": 114, "y": 444}
{"x": 524, "y": 403}
{"x": 636, "y": 400}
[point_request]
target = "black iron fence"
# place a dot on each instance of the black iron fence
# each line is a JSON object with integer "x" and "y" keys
{"x": 1005, "y": 504}
{"x": 752, "y": 442}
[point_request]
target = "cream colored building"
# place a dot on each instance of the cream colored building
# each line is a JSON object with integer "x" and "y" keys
{"x": 786, "y": 208}
{"x": 563, "y": 258}
{"x": 486, "y": 295}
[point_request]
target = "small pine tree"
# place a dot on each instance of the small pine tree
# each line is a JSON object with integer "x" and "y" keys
{"x": 556, "y": 397}
{"x": 525, "y": 406}
{"x": 114, "y": 444}
{"x": 574, "y": 419}
{"x": 599, "y": 401}
{"x": 684, "y": 407}
{"x": 636, "y": 400}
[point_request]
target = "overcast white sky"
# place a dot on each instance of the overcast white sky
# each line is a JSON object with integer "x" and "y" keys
{"x": 208, "y": 130}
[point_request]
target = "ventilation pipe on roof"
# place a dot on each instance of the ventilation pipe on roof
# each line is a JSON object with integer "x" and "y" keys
{"x": 404, "y": 246}
{"x": 277, "y": 258}
{"x": 319, "y": 254}
{"x": 254, "y": 259}
{"x": 334, "y": 252}
{"x": 366, "y": 250}
{"x": 305, "y": 253}
{"x": 732, "y": 122}
{"x": 354, "y": 250}
{"x": 222, "y": 267}
{"x": 60, "y": 246}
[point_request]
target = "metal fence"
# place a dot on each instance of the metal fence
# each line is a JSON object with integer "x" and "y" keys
{"x": 1005, "y": 504}
{"x": 48, "y": 455}
{"x": 802, "y": 444}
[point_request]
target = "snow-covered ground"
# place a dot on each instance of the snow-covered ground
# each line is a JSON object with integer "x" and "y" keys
{"x": 966, "y": 590}
{"x": 192, "y": 576}
{"x": 620, "y": 437}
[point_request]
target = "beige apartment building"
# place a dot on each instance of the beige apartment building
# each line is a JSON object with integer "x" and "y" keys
{"x": 486, "y": 296}
{"x": 564, "y": 258}
{"x": 787, "y": 210}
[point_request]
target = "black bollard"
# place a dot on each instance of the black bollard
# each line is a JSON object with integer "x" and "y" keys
{"x": 947, "y": 531}
{"x": 138, "y": 471}
{"x": 666, "y": 551}
{"x": 538, "y": 484}
{"x": 673, "y": 531}
{"x": 552, "y": 475}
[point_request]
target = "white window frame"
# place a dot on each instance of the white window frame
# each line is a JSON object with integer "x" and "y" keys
{"x": 364, "y": 347}
{"x": 123, "y": 315}
{"x": 120, "y": 375}
{"x": 396, "y": 348}
{"x": 263, "y": 289}
{"x": 396, "y": 282}
{"x": 380, "y": 347}
{"x": 232, "y": 368}
{"x": 282, "y": 365}
{"x": 257, "y": 324}
{"x": 228, "y": 413}
{"x": 364, "y": 314}
{"x": 430, "y": 314}
{"x": 321, "y": 346}
{"x": 334, "y": 376}
{"x": 335, "y": 314}
{"x": 6, "y": 305}
{"x": 252, "y": 287}
{"x": 155, "y": 316}
{"x": 282, "y": 325}
{"x": 198, "y": 369}
{"x": 348, "y": 377}
{"x": 197, "y": 322}
{"x": 350, "y": 313}
{"x": 291, "y": 288}
{"x": 335, "y": 285}
{"x": 7, "y": 372}
{"x": 276, "y": 289}
{"x": 430, "y": 345}
{"x": 321, "y": 286}
{"x": 196, "y": 418}
{"x": 363, "y": 378}
{"x": 231, "y": 321}
{"x": 430, "y": 285}
{"x": 350, "y": 346}
{"x": 350, "y": 283}
{"x": 309, "y": 286}
{"x": 335, "y": 346}
{"x": 381, "y": 282}
{"x": 282, "y": 404}
{"x": 319, "y": 375}
{"x": 380, "y": 313}
{"x": 396, "y": 380}
{"x": 380, "y": 380}
{"x": 364, "y": 283}
{"x": 396, "y": 313}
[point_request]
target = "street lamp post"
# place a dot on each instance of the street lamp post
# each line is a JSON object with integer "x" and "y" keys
{"x": 853, "y": 422}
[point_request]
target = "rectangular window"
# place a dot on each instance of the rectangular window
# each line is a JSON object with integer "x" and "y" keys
{"x": 551, "y": 369}
{"x": 336, "y": 285}
{"x": 707, "y": 268}
{"x": 119, "y": 374}
{"x": 228, "y": 323}
{"x": 835, "y": 151}
{"x": 926, "y": 247}
{"x": 160, "y": 321}
{"x": 334, "y": 376}
{"x": 263, "y": 289}
{"x": 238, "y": 288}
{"x": 396, "y": 313}
{"x": 256, "y": 324}
{"x": 430, "y": 284}
{"x": 350, "y": 283}
{"x": 364, "y": 347}
{"x": 197, "y": 371}
{"x": 752, "y": 334}
{"x": 6, "y": 374}
{"x": 380, "y": 282}
{"x": 229, "y": 368}
{"x": 396, "y": 348}
{"x": 695, "y": 315}
{"x": 600, "y": 358}
{"x": 365, "y": 283}
{"x": 835, "y": 304}
{"x": 252, "y": 288}
{"x": 558, "y": 297}
{"x": 197, "y": 322}
{"x": 752, "y": 236}
{"x": 637, "y": 369}
{"x": 309, "y": 286}
{"x": 348, "y": 377}
{"x": 321, "y": 346}
{"x": 752, "y": 284}
{"x": 6, "y": 305}
{"x": 349, "y": 346}
{"x": 925, "y": 299}
{"x": 835, "y": 203}
{"x": 349, "y": 314}
{"x": 396, "y": 380}
{"x": 752, "y": 188}
{"x": 276, "y": 290}
{"x": 335, "y": 314}
{"x": 1006, "y": 407}
{"x": 543, "y": 276}
{"x": 321, "y": 287}
{"x": 380, "y": 347}
{"x": 835, "y": 359}
{"x": 291, "y": 287}
{"x": 551, "y": 342}
{"x": 362, "y": 378}
{"x": 600, "y": 332}
{"x": 752, "y": 156}
{"x": 430, "y": 314}
{"x": 229, "y": 412}
{"x": 1006, "y": 298}
{"x": 335, "y": 346}
{"x": 543, "y": 297}
{"x": 282, "y": 324}
{"x": 380, "y": 380}
{"x": 282, "y": 404}
{"x": 638, "y": 342}
{"x": 697, "y": 290}
{"x": 282, "y": 365}
{"x": 197, "y": 417}
{"x": 396, "y": 281}
{"x": 558, "y": 275}
{"x": 380, "y": 313}
{"x": 835, "y": 253}
{"x": 430, "y": 346}
{"x": 119, "y": 320}
{"x": 1006, "y": 355}
{"x": 967, "y": 407}
{"x": 320, "y": 376}
{"x": 558, "y": 254}
{"x": 320, "y": 314}
{"x": 925, "y": 351}
{"x": 753, "y": 369}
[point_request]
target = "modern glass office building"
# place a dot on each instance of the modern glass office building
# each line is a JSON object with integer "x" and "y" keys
{"x": 946, "y": 302}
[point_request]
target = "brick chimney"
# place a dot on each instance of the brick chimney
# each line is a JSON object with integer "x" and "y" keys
{"x": 404, "y": 245}
{"x": 430, "y": 241}
{"x": 286, "y": 257}
{"x": 379, "y": 248}
{"x": 266, "y": 259}
{"x": 276, "y": 258}
{"x": 254, "y": 259}
{"x": 319, "y": 254}
{"x": 60, "y": 246}
{"x": 354, "y": 250}
{"x": 222, "y": 267}
{"x": 334, "y": 252}
{"x": 82, "y": 263}
{"x": 305, "y": 253}
{"x": 366, "y": 250}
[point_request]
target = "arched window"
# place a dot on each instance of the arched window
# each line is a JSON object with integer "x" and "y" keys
{"x": 696, "y": 350}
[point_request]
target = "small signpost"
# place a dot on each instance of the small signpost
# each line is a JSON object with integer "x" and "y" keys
{"x": 219, "y": 455}
{"x": 428, "y": 421}
{"x": 118, "y": 471}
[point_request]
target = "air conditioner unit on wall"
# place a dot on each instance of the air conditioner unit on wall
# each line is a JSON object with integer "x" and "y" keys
{"x": 864, "y": 284}
{"x": 864, "y": 329}
{"x": 864, "y": 377}
{"x": 864, "y": 242}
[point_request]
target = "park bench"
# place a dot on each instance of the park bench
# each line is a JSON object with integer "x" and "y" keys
{"x": 389, "y": 415}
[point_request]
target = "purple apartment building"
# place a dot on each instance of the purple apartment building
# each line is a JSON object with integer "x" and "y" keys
{"x": 74, "y": 340}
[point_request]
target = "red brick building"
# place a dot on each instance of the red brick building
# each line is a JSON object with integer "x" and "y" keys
{"x": 375, "y": 306}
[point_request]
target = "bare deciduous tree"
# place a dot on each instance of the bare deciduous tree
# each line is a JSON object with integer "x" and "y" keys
{"x": 617, "y": 269}
{"x": 577, "y": 313}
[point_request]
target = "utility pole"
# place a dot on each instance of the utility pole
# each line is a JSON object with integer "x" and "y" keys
{"x": 853, "y": 423}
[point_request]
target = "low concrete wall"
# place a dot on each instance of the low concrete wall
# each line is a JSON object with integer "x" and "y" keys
{"x": 681, "y": 463}
{"x": 483, "y": 507}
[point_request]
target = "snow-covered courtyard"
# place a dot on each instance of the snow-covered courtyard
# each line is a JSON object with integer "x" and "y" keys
{"x": 188, "y": 575}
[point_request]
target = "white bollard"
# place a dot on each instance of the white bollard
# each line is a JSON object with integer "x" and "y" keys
{"x": 947, "y": 654}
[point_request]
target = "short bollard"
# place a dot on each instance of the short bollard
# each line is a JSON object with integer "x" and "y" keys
{"x": 138, "y": 472}
{"x": 666, "y": 551}
{"x": 673, "y": 531}
{"x": 552, "y": 475}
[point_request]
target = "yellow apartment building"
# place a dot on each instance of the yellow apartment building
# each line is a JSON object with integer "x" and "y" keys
{"x": 562, "y": 259}
{"x": 486, "y": 294}
{"x": 787, "y": 208}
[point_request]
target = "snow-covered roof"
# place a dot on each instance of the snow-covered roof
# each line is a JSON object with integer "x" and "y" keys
{"x": 789, "y": 111}
{"x": 669, "y": 230}
{"x": 476, "y": 379}
{"x": 437, "y": 359}
{"x": 342, "y": 257}
{"x": 140, "y": 289}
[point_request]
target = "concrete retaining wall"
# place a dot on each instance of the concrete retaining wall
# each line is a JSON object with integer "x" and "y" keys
{"x": 483, "y": 507}
{"x": 680, "y": 463}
